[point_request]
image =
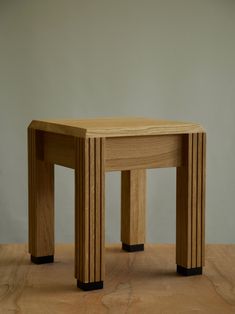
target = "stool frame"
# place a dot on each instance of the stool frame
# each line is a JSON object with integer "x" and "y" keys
{"x": 91, "y": 157}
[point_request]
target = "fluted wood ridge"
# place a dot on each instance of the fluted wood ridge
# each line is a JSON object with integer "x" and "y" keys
{"x": 190, "y": 216}
{"x": 89, "y": 209}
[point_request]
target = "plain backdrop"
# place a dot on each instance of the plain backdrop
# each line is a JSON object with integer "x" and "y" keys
{"x": 165, "y": 59}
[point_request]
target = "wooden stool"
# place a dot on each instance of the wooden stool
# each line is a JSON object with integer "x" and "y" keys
{"x": 129, "y": 145}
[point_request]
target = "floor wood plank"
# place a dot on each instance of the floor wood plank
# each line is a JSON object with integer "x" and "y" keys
{"x": 143, "y": 282}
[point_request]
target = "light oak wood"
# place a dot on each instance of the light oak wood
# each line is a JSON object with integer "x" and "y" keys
{"x": 41, "y": 198}
{"x": 59, "y": 149}
{"x": 121, "y": 153}
{"x": 127, "y": 145}
{"x": 115, "y": 127}
{"x": 190, "y": 211}
{"x": 133, "y": 206}
{"x": 126, "y": 153}
{"x": 89, "y": 210}
{"x": 143, "y": 282}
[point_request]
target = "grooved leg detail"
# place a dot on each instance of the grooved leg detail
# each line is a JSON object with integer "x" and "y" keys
{"x": 190, "y": 205}
{"x": 89, "y": 211}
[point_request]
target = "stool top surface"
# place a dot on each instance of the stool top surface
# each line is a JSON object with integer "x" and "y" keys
{"x": 116, "y": 127}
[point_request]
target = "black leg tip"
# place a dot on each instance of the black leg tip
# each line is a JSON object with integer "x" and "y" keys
{"x": 132, "y": 247}
{"x": 88, "y": 286}
{"x": 189, "y": 271}
{"x": 42, "y": 259}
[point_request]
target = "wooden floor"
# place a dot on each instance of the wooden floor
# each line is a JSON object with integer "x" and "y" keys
{"x": 143, "y": 282}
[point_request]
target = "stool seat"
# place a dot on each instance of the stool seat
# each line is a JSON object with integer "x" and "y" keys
{"x": 93, "y": 147}
{"x": 116, "y": 127}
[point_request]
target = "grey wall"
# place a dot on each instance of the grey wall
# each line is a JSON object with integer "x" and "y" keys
{"x": 168, "y": 59}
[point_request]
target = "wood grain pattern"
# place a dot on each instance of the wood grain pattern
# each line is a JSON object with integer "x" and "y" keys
{"x": 130, "y": 146}
{"x": 59, "y": 149}
{"x": 133, "y": 206}
{"x": 143, "y": 282}
{"x": 203, "y": 196}
{"x": 126, "y": 153}
{"x": 89, "y": 210}
{"x": 115, "y": 127}
{"x": 41, "y": 198}
{"x": 123, "y": 153}
{"x": 190, "y": 211}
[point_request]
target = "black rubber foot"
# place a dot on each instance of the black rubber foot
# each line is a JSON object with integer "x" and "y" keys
{"x": 132, "y": 247}
{"x": 88, "y": 286}
{"x": 42, "y": 259}
{"x": 189, "y": 271}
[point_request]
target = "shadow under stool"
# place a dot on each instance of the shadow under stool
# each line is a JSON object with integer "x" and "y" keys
{"x": 130, "y": 145}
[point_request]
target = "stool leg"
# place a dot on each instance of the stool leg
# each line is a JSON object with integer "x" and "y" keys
{"x": 41, "y": 201}
{"x": 133, "y": 203}
{"x": 190, "y": 207}
{"x": 89, "y": 213}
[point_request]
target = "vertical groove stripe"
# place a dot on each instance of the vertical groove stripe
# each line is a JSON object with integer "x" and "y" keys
{"x": 190, "y": 202}
{"x": 89, "y": 209}
{"x": 203, "y": 198}
{"x": 189, "y": 198}
{"x": 199, "y": 198}
{"x": 194, "y": 201}
{"x": 102, "y": 206}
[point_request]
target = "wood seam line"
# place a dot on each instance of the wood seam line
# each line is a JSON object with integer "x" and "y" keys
{"x": 81, "y": 205}
{"x": 82, "y": 202}
{"x": 101, "y": 206}
{"x": 197, "y": 200}
{"x": 130, "y": 175}
{"x": 79, "y": 157}
{"x": 95, "y": 205}
{"x": 189, "y": 210}
{"x": 33, "y": 178}
{"x": 203, "y": 194}
{"x": 93, "y": 231}
{"x": 98, "y": 210}
{"x": 189, "y": 201}
{"x": 77, "y": 208}
{"x": 75, "y": 214}
{"x": 197, "y": 196}
{"x": 101, "y": 156}
{"x": 192, "y": 205}
{"x": 194, "y": 216}
{"x": 29, "y": 187}
{"x": 83, "y": 208}
{"x": 87, "y": 224}
{"x": 195, "y": 203}
{"x": 130, "y": 211}
{"x": 102, "y": 209}
{"x": 89, "y": 206}
{"x": 79, "y": 162}
{"x": 34, "y": 185}
{"x": 87, "y": 210}
{"x": 202, "y": 202}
